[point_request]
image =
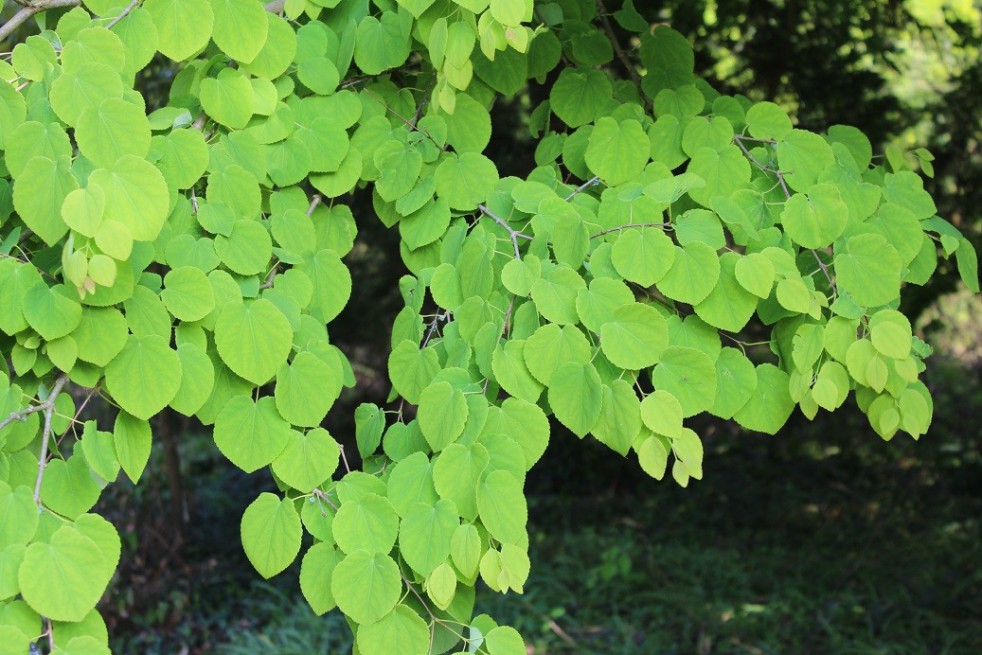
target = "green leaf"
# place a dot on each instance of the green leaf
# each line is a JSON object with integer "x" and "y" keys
{"x": 84, "y": 645}
{"x": 511, "y": 372}
{"x": 661, "y": 413}
{"x": 728, "y": 306}
{"x": 18, "y": 516}
{"x": 766, "y": 120}
{"x": 56, "y": 578}
{"x": 596, "y": 305}
{"x": 271, "y": 533}
{"x": 504, "y": 640}
{"x": 770, "y": 405}
{"x": 52, "y": 312}
{"x": 442, "y": 414}
{"x": 382, "y": 44}
{"x": 34, "y": 139}
{"x": 815, "y": 219}
{"x": 653, "y": 457}
{"x": 68, "y": 487}
{"x": 554, "y": 295}
{"x": 890, "y": 333}
{"x": 187, "y": 294}
{"x": 400, "y": 631}
{"x": 466, "y": 180}
{"x": 251, "y": 434}
{"x": 755, "y": 273}
{"x": 456, "y": 473}
{"x": 132, "y": 439}
{"x": 306, "y": 388}
{"x": 689, "y": 375}
{"x": 576, "y": 396}
{"x": 366, "y": 586}
{"x": 579, "y": 95}
{"x": 617, "y": 151}
{"x": 74, "y": 92}
{"x": 332, "y": 284}
{"x": 253, "y": 339}
{"x": 228, "y": 99}
{"x": 316, "y": 573}
{"x": 868, "y": 267}
{"x": 725, "y": 172}
{"x": 184, "y": 26}
{"x": 240, "y": 28}
{"x": 694, "y": 274}
{"x": 801, "y": 157}
{"x": 136, "y": 196}
{"x": 39, "y": 193}
{"x": 112, "y": 129}
{"x": 142, "y": 359}
{"x": 425, "y": 534}
{"x": 411, "y": 481}
{"x": 367, "y": 523}
{"x": 736, "y": 382}
{"x": 308, "y": 459}
{"x": 620, "y": 417}
{"x": 643, "y": 255}
{"x": 635, "y": 336}
{"x": 411, "y": 370}
{"x": 502, "y": 507}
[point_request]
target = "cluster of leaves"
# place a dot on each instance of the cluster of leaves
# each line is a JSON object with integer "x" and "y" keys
{"x": 191, "y": 259}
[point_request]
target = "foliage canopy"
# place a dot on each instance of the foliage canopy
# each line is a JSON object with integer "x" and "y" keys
{"x": 189, "y": 256}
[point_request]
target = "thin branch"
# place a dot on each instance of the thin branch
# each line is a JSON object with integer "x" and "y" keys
{"x": 130, "y": 7}
{"x": 513, "y": 234}
{"x": 664, "y": 226}
{"x": 49, "y": 410}
{"x": 434, "y": 324}
{"x": 316, "y": 200}
{"x": 621, "y": 55}
{"x": 21, "y": 415}
{"x": 21, "y": 16}
{"x": 592, "y": 181}
{"x": 276, "y": 6}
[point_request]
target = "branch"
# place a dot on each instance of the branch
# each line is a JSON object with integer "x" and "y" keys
{"x": 130, "y": 7}
{"x": 21, "y": 16}
{"x": 664, "y": 226}
{"x": 592, "y": 181}
{"x": 276, "y": 6}
{"x": 621, "y": 55}
{"x": 513, "y": 234}
{"x": 49, "y": 409}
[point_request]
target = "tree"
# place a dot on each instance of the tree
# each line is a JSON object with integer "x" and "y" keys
{"x": 189, "y": 255}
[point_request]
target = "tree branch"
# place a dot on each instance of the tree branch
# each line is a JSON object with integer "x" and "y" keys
{"x": 49, "y": 409}
{"x": 513, "y": 234}
{"x": 664, "y": 226}
{"x": 123, "y": 14}
{"x": 621, "y": 55}
{"x": 21, "y": 16}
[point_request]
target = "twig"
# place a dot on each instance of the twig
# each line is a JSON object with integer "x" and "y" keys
{"x": 429, "y": 333}
{"x": 664, "y": 226}
{"x": 21, "y": 16}
{"x": 593, "y": 180}
{"x": 513, "y": 234}
{"x": 130, "y": 7}
{"x": 344, "y": 458}
{"x": 275, "y": 7}
{"x": 621, "y": 55}
{"x": 49, "y": 409}
{"x": 316, "y": 200}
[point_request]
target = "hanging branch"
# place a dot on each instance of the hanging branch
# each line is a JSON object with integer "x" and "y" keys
{"x": 21, "y": 16}
{"x": 48, "y": 407}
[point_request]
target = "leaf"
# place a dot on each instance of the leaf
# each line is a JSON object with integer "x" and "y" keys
{"x": 306, "y": 388}
{"x": 643, "y": 255}
{"x": 187, "y": 294}
{"x": 425, "y": 534}
{"x": 367, "y": 523}
{"x": 728, "y": 306}
{"x": 307, "y": 460}
{"x": 771, "y": 404}
{"x": 653, "y": 457}
{"x": 382, "y": 44}
{"x": 890, "y": 332}
{"x": 617, "y": 151}
{"x": 736, "y": 382}
{"x": 366, "y": 586}
{"x": 801, "y": 157}
{"x": 83, "y": 645}
{"x": 662, "y": 413}
{"x": 228, "y": 98}
{"x": 316, "y": 573}
{"x": 240, "y": 28}
{"x": 635, "y": 336}
{"x": 502, "y": 507}
{"x": 508, "y": 365}
{"x": 136, "y": 196}
{"x": 580, "y": 95}
{"x": 51, "y": 311}
{"x": 144, "y": 359}
{"x": 112, "y": 129}
{"x": 411, "y": 481}
{"x": 755, "y": 273}
{"x": 817, "y": 218}
{"x": 466, "y": 180}
{"x": 766, "y": 120}
{"x": 251, "y": 434}
{"x": 56, "y": 577}
{"x": 411, "y": 370}
{"x": 689, "y": 375}
{"x": 253, "y": 339}
{"x": 332, "y": 284}
{"x": 620, "y": 417}
{"x": 694, "y": 274}
{"x": 184, "y": 26}
{"x": 39, "y": 193}
{"x": 442, "y": 414}
{"x": 456, "y": 472}
{"x": 400, "y": 631}
{"x": 868, "y": 267}
{"x": 271, "y": 534}
{"x": 87, "y": 86}
{"x": 576, "y": 397}
{"x": 554, "y": 295}
{"x": 34, "y": 139}
{"x": 18, "y": 516}
{"x": 132, "y": 439}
